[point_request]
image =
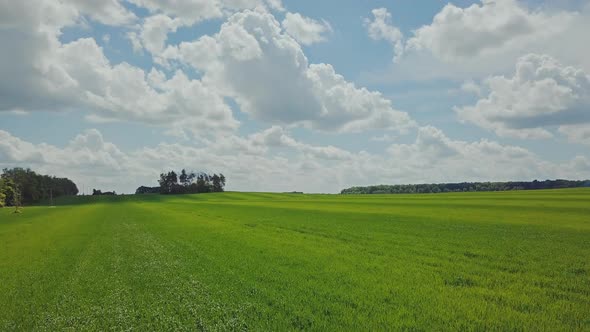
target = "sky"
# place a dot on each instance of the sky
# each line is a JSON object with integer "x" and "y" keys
{"x": 296, "y": 95}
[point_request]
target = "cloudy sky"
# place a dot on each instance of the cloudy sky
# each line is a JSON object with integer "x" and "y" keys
{"x": 300, "y": 95}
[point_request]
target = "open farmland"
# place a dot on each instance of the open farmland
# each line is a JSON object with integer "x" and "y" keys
{"x": 252, "y": 261}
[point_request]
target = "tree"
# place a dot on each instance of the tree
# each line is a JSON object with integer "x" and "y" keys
{"x": 147, "y": 190}
{"x": 24, "y": 186}
{"x": 217, "y": 183}
{"x": 163, "y": 184}
{"x": 190, "y": 183}
{"x": 464, "y": 187}
{"x": 18, "y": 201}
{"x": 183, "y": 178}
{"x": 9, "y": 192}
{"x": 168, "y": 182}
{"x": 203, "y": 183}
{"x": 191, "y": 177}
{"x": 98, "y": 192}
{"x": 2, "y": 193}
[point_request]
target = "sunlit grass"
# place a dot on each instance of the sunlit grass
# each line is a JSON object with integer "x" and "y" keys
{"x": 255, "y": 261}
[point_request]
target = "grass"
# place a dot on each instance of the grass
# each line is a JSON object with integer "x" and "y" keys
{"x": 255, "y": 261}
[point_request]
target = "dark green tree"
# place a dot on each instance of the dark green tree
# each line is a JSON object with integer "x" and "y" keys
{"x": 203, "y": 184}
{"x": 168, "y": 183}
{"x": 216, "y": 183}
{"x": 183, "y": 178}
{"x": 2, "y": 192}
{"x": 190, "y": 183}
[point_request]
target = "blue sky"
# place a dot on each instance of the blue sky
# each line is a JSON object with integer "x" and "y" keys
{"x": 296, "y": 95}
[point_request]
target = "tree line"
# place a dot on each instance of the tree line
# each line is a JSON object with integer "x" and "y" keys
{"x": 98, "y": 192}
{"x": 20, "y": 186}
{"x": 186, "y": 183}
{"x": 465, "y": 186}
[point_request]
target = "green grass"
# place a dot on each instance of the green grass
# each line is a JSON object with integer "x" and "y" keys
{"x": 255, "y": 261}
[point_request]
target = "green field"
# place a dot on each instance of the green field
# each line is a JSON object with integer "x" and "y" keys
{"x": 253, "y": 261}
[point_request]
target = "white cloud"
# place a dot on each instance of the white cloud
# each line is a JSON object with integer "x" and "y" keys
{"x": 48, "y": 75}
{"x": 456, "y": 33}
{"x": 381, "y": 28}
{"x": 577, "y": 133}
{"x": 259, "y": 63}
{"x": 110, "y": 12}
{"x": 154, "y": 32}
{"x": 272, "y": 160}
{"x": 50, "y": 16}
{"x": 249, "y": 162}
{"x": 471, "y": 87}
{"x": 305, "y": 30}
{"x": 29, "y": 32}
{"x": 434, "y": 157}
{"x": 265, "y": 70}
{"x": 541, "y": 94}
{"x": 135, "y": 42}
{"x": 278, "y": 137}
{"x": 123, "y": 92}
{"x": 193, "y": 11}
{"x": 251, "y": 59}
{"x": 384, "y": 138}
{"x": 169, "y": 15}
{"x": 350, "y": 109}
{"x": 483, "y": 38}
{"x": 187, "y": 10}
{"x": 87, "y": 156}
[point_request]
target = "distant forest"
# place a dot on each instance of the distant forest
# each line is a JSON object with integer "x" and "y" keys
{"x": 465, "y": 186}
{"x": 19, "y": 186}
{"x": 185, "y": 183}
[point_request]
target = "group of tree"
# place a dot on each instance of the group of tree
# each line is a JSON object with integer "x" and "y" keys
{"x": 147, "y": 190}
{"x": 190, "y": 183}
{"x": 465, "y": 186}
{"x": 98, "y": 192}
{"x": 186, "y": 183}
{"x": 19, "y": 186}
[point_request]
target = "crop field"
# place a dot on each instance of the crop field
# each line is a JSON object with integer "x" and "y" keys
{"x": 254, "y": 261}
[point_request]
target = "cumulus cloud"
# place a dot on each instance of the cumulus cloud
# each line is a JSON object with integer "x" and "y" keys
{"x": 88, "y": 156}
{"x": 110, "y": 12}
{"x": 384, "y": 138}
{"x": 135, "y": 41}
{"x": 252, "y": 60}
{"x": 259, "y": 63}
{"x": 434, "y": 157}
{"x": 433, "y": 154}
{"x": 272, "y": 160}
{"x": 576, "y": 133}
{"x": 541, "y": 94}
{"x": 277, "y": 137}
{"x": 305, "y": 30}
{"x": 456, "y": 33}
{"x": 123, "y": 92}
{"x": 193, "y": 11}
{"x": 154, "y": 32}
{"x": 48, "y": 16}
{"x": 487, "y": 37}
{"x": 92, "y": 161}
{"x": 169, "y": 15}
{"x": 380, "y": 27}
{"x": 48, "y": 75}
{"x": 471, "y": 87}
